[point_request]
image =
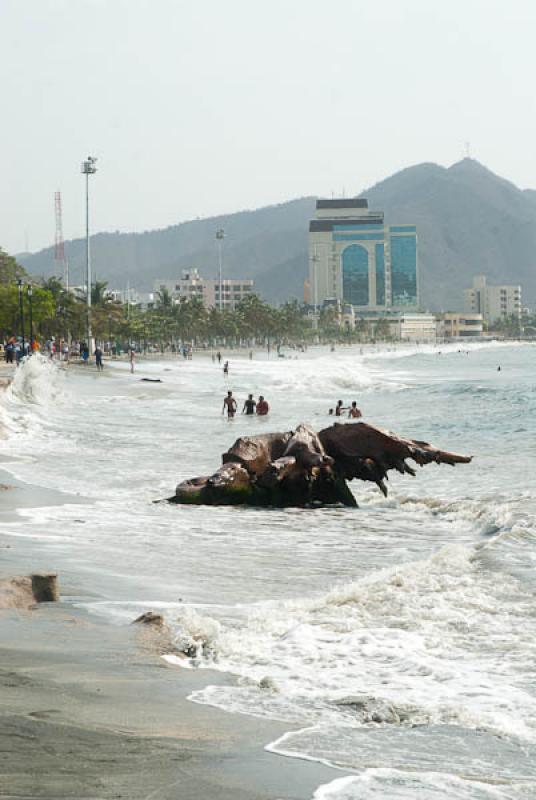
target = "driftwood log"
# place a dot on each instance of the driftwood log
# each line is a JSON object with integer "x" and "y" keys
{"x": 302, "y": 468}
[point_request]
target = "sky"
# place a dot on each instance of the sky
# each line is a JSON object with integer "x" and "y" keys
{"x": 199, "y": 108}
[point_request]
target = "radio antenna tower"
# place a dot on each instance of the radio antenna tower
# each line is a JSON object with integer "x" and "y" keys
{"x": 60, "y": 262}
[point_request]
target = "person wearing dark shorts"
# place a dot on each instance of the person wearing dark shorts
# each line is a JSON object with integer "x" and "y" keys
{"x": 229, "y": 403}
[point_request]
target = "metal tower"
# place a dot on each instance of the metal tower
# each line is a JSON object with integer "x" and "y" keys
{"x": 60, "y": 262}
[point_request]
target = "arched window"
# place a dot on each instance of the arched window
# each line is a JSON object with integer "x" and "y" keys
{"x": 355, "y": 277}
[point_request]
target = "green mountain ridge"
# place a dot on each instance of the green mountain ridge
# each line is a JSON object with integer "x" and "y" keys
{"x": 469, "y": 220}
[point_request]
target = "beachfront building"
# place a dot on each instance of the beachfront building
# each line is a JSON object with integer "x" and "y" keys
{"x": 460, "y": 325}
{"x": 493, "y": 302}
{"x": 413, "y": 327}
{"x": 356, "y": 258}
{"x": 191, "y": 285}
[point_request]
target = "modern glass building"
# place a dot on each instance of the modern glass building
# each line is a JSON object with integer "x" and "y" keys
{"x": 354, "y": 257}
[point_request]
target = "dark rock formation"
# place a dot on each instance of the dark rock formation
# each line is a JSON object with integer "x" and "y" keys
{"x": 45, "y": 587}
{"x": 301, "y": 467}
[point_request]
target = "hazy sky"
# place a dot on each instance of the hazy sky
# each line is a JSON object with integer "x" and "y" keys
{"x": 197, "y": 108}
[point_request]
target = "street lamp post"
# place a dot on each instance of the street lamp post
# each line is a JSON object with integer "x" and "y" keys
{"x": 220, "y": 235}
{"x": 20, "y": 284}
{"x": 88, "y": 168}
{"x": 30, "y": 295}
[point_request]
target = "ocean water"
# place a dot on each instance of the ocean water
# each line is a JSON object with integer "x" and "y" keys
{"x": 397, "y": 640}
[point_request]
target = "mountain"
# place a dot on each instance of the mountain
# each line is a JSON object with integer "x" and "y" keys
{"x": 269, "y": 245}
{"x": 469, "y": 220}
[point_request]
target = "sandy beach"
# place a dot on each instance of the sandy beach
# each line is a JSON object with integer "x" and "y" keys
{"x": 91, "y": 710}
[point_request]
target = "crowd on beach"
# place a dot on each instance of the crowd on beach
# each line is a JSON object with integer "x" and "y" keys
{"x": 15, "y": 349}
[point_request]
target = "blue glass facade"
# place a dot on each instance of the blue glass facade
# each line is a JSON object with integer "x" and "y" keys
{"x": 404, "y": 270}
{"x": 380, "y": 275}
{"x": 355, "y": 258}
{"x": 355, "y": 277}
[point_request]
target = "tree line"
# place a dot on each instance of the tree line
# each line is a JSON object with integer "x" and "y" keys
{"x": 62, "y": 314}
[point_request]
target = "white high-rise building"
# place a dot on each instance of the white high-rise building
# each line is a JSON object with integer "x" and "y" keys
{"x": 191, "y": 284}
{"x": 493, "y": 302}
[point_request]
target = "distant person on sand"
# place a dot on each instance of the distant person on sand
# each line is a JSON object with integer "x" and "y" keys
{"x": 132, "y": 359}
{"x": 339, "y": 409}
{"x": 354, "y": 411}
{"x": 9, "y": 352}
{"x": 226, "y": 368}
{"x": 98, "y": 359}
{"x": 249, "y": 406}
{"x": 262, "y": 407}
{"x": 218, "y": 356}
{"x": 229, "y": 403}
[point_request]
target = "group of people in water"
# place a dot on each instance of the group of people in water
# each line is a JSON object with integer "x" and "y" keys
{"x": 251, "y": 406}
{"x": 353, "y": 411}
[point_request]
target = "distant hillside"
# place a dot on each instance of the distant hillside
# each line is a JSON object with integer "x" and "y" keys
{"x": 269, "y": 245}
{"x": 469, "y": 220}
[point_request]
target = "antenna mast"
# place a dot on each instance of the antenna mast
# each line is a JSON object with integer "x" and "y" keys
{"x": 60, "y": 261}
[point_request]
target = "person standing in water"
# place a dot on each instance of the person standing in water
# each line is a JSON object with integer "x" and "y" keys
{"x": 249, "y": 406}
{"x": 339, "y": 409}
{"x": 262, "y": 407}
{"x": 226, "y": 368}
{"x": 354, "y": 412}
{"x": 229, "y": 403}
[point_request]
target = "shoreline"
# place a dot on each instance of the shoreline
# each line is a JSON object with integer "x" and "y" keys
{"x": 91, "y": 710}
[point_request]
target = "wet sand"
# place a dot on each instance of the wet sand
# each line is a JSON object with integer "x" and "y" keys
{"x": 89, "y": 710}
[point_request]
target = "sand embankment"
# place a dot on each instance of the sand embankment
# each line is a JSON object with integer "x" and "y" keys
{"x": 89, "y": 711}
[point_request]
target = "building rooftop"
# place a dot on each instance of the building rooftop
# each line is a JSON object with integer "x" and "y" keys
{"x": 343, "y": 202}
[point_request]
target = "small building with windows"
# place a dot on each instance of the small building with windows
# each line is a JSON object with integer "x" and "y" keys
{"x": 356, "y": 258}
{"x": 460, "y": 325}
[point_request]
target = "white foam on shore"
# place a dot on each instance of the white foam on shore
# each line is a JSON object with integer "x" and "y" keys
{"x": 415, "y": 636}
{"x": 380, "y": 784}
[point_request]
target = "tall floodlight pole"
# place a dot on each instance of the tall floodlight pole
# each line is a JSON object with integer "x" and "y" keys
{"x": 220, "y": 235}
{"x": 20, "y": 284}
{"x": 30, "y": 295}
{"x": 88, "y": 168}
{"x": 315, "y": 259}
